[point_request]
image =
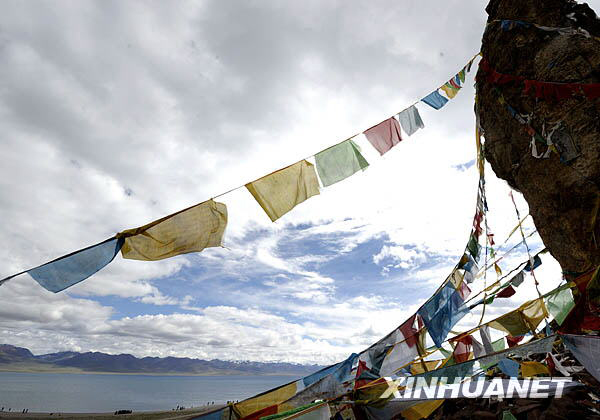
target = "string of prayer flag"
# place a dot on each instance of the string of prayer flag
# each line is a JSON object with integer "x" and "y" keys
{"x": 202, "y": 226}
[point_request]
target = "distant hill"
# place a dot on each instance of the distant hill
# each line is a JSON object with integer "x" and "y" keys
{"x": 19, "y": 359}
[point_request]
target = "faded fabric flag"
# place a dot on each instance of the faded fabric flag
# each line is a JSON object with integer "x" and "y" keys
{"x": 559, "y": 304}
{"x": 523, "y": 319}
{"x": 267, "y": 399}
{"x": 410, "y": 120}
{"x": 531, "y": 369}
{"x": 384, "y": 135}
{"x": 190, "y": 230}
{"x": 450, "y": 90}
{"x": 435, "y": 100}
{"x": 339, "y": 162}
{"x": 509, "y": 367}
{"x": 66, "y": 271}
{"x": 281, "y": 191}
{"x": 442, "y": 311}
{"x": 399, "y": 355}
{"x": 586, "y": 349}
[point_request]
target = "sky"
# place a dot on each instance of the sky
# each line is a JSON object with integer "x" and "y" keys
{"x": 113, "y": 114}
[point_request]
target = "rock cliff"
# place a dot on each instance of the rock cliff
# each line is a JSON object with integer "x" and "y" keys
{"x": 562, "y": 188}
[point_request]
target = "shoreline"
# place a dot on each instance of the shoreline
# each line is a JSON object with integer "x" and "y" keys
{"x": 76, "y": 371}
{"x": 186, "y": 414}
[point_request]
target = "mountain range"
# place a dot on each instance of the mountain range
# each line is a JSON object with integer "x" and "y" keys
{"x": 14, "y": 358}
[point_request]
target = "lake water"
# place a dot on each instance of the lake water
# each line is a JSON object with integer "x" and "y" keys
{"x": 53, "y": 392}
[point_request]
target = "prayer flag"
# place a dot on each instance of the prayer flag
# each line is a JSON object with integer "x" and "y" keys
{"x": 283, "y": 190}
{"x": 435, "y": 100}
{"x": 384, "y": 135}
{"x": 506, "y": 292}
{"x": 442, "y": 311}
{"x": 267, "y": 399}
{"x": 450, "y": 90}
{"x": 586, "y": 349}
{"x": 400, "y": 354}
{"x": 190, "y": 230}
{"x": 518, "y": 279}
{"x": 537, "y": 261}
{"x": 513, "y": 341}
{"x": 410, "y": 120}
{"x": 66, "y": 271}
{"x": 531, "y": 369}
{"x": 473, "y": 247}
{"x": 511, "y": 323}
{"x": 421, "y": 410}
{"x": 560, "y": 304}
{"x": 339, "y": 162}
{"x": 509, "y": 367}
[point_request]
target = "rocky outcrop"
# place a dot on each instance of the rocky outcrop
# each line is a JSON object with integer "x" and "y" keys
{"x": 563, "y": 196}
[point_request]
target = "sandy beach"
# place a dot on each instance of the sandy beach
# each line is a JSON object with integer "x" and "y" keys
{"x": 142, "y": 415}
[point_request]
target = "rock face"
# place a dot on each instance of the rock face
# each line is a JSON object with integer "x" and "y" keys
{"x": 563, "y": 197}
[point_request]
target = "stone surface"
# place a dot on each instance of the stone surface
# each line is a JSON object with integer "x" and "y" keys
{"x": 563, "y": 198}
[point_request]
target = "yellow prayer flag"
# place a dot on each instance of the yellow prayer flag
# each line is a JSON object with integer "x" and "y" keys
{"x": 498, "y": 269}
{"x": 534, "y": 312}
{"x": 423, "y": 366}
{"x": 531, "y": 369}
{"x": 450, "y": 91}
{"x": 277, "y": 396}
{"x": 523, "y": 319}
{"x": 511, "y": 323}
{"x": 421, "y": 410}
{"x": 456, "y": 278}
{"x": 190, "y": 230}
{"x": 283, "y": 190}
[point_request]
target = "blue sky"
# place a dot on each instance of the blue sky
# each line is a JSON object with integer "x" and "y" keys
{"x": 114, "y": 114}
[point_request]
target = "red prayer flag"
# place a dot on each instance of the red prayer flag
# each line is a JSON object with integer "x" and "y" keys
{"x": 409, "y": 331}
{"x": 384, "y": 135}
{"x": 507, "y": 292}
{"x": 513, "y": 341}
{"x": 267, "y": 411}
{"x": 462, "y": 348}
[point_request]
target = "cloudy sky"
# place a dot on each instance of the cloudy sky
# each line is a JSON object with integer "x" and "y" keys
{"x": 115, "y": 113}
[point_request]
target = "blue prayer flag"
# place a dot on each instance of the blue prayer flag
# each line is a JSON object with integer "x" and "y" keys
{"x": 442, "y": 312}
{"x": 509, "y": 367}
{"x": 435, "y": 100}
{"x": 312, "y": 378}
{"x": 66, "y": 271}
{"x": 537, "y": 261}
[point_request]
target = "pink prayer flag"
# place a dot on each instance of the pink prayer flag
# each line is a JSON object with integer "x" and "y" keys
{"x": 384, "y": 135}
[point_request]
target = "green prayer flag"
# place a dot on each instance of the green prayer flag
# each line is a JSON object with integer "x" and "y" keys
{"x": 339, "y": 162}
{"x": 473, "y": 246}
{"x": 560, "y": 304}
{"x": 507, "y": 415}
{"x": 498, "y": 345}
